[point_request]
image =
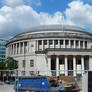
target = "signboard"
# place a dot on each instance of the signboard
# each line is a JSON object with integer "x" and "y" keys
{"x": 78, "y": 69}
{"x": 62, "y": 68}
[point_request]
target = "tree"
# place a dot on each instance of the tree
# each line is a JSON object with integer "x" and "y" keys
{"x": 2, "y": 66}
{"x": 11, "y": 63}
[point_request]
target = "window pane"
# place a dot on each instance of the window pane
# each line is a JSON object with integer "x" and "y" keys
{"x": 66, "y": 42}
{"x": 72, "y": 42}
{"x": 40, "y": 42}
{"x": 45, "y": 42}
{"x": 25, "y": 43}
{"x": 81, "y": 43}
{"x": 50, "y": 42}
{"x": 85, "y": 44}
{"x": 77, "y": 43}
{"x": 23, "y": 63}
{"x": 31, "y": 63}
{"x": 61, "y": 42}
{"x": 56, "y": 42}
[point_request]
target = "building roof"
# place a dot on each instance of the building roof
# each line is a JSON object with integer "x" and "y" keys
{"x": 57, "y": 31}
{"x": 55, "y": 27}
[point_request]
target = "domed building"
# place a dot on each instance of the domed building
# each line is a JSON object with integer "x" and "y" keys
{"x": 52, "y": 49}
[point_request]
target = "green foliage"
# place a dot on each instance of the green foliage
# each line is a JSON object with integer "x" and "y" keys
{"x": 3, "y": 66}
{"x": 11, "y": 63}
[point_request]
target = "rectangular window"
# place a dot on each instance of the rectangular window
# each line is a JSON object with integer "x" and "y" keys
{"x": 23, "y": 63}
{"x": 77, "y": 43}
{"x": 81, "y": 43}
{"x": 45, "y": 42}
{"x": 32, "y": 63}
{"x": 56, "y": 42}
{"x": 66, "y": 42}
{"x": 40, "y": 42}
{"x": 61, "y": 42}
{"x": 50, "y": 42}
{"x": 72, "y": 42}
{"x": 85, "y": 44}
{"x": 25, "y": 44}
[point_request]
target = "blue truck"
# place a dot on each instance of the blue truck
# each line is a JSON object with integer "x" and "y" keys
{"x": 37, "y": 84}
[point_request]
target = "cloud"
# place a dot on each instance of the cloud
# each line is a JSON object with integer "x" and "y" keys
{"x": 51, "y": 19}
{"x": 79, "y": 13}
{"x": 14, "y": 20}
{"x": 13, "y": 3}
{"x": 36, "y": 2}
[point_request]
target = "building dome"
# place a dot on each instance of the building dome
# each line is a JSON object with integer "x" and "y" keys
{"x": 64, "y": 49}
{"x": 57, "y": 31}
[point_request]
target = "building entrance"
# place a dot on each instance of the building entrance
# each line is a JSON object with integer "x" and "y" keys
{"x": 53, "y": 65}
{"x": 70, "y": 65}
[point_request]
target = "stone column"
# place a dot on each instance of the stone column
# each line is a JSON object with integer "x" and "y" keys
{"x": 66, "y": 66}
{"x": 57, "y": 66}
{"x": 82, "y": 64}
{"x": 79, "y": 44}
{"x": 74, "y": 66}
{"x": 47, "y": 43}
{"x": 69, "y": 44}
{"x": 23, "y": 48}
{"x": 28, "y": 46}
{"x": 58, "y": 43}
{"x": 74, "y": 44}
{"x": 90, "y": 63}
{"x": 10, "y": 49}
{"x": 42, "y": 45}
{"x": 16, "y": 48}
{"x": 64, "y": 43}
{"x": 49, "y": 66}
{"x": 36, "y": 45}
{"x": 83, "y": 44}
{"x": 19, "y": 48}
{"x": 13, "y": 49}
{"x": 53, "y": 44}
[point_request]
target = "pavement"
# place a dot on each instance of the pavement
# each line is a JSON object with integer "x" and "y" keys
{"x": 6, "y": 88}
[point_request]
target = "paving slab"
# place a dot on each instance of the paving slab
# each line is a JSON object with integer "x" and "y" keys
{"x": 7, "y": 88}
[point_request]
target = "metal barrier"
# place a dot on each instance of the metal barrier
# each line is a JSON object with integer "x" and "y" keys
{"x": 10, "y": 76}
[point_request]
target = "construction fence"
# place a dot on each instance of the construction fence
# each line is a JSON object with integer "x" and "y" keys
{"x": 9, "y": 77}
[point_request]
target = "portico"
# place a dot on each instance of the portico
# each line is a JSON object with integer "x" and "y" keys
{"x": 68, "y": 64}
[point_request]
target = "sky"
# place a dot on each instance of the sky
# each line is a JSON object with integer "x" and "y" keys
{"x": 17, "y": 16}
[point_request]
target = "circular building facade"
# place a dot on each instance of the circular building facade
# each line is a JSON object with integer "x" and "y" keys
{"x": 52, "y": 49}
